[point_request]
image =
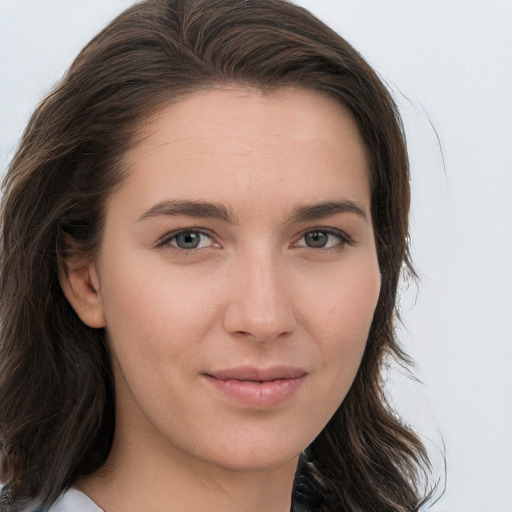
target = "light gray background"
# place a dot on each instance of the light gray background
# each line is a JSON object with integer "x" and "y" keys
{"x": 449, "y": 65}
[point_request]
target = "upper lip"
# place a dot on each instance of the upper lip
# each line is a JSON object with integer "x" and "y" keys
{"x": 252, "y": 373}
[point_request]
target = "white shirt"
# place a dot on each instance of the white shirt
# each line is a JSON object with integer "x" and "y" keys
{"x": 75, "y": 501}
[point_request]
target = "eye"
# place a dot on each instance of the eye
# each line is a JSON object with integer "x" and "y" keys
{"x": 187, "y": 240}
{"x": 323, "y": 239}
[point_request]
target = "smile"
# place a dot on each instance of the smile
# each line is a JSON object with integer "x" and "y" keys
{"x": 260, "y": 388}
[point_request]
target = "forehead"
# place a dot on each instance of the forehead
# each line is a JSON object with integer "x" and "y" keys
{"x": 289, "y": 112}
{"x": 229, "y": 143}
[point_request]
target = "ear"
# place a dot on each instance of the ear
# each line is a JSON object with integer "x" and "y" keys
{"x": 81, "y": 285}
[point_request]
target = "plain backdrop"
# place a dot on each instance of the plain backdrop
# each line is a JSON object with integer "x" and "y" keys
{"x": 449, "y": 65}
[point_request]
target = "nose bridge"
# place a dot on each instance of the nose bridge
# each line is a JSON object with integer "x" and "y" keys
{"x": 261, "y": 305}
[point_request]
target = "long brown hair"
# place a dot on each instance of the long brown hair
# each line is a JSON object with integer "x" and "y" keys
{"x": 57, "y": 405}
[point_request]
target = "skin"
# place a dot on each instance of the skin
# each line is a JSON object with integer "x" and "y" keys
{"x": 253, "y": 292}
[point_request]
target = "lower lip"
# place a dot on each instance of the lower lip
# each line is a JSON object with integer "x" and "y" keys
{"x": 258, "y": 394}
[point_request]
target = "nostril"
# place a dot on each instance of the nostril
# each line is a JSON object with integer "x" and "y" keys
{"x": 246, "y": 334}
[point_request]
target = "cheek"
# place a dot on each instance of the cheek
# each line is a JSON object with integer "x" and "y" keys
{"x": 344, "y": 306}
{"x": 154, "y": 314}
{"x": 339, "y": 320}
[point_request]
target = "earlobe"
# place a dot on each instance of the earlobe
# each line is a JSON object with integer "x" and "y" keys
{"x": 81, "y": 286}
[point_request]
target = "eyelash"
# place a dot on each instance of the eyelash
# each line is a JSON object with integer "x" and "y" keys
{"x": 166, "y": 241}
{"x": 343, "y": 238}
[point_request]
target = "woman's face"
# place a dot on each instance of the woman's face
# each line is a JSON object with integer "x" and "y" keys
{"x": 238, "y": 277}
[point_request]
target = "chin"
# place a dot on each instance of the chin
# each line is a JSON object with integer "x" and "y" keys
{"x": 258, "y": 451}
{"x": 256, "y": 461}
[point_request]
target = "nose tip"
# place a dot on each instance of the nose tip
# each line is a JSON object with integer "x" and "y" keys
{"x": 260, "y": 327}
{"x": 261, "y": 307}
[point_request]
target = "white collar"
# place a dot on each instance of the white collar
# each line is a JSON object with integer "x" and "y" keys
{"x": 75, "y": 501}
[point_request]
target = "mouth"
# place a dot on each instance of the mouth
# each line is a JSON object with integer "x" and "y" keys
{"x": 257, "y": 387}
{"x": 249, "y": 373}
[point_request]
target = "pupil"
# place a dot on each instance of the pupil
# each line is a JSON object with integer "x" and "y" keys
{"x": 316, "y": 239}
{"x": 188, "y": 240}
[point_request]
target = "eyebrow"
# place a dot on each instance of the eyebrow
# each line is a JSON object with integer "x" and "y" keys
{"x": 299, "y": 214}
{"x": 323, "y": 210}
{"x": 190, "y": 209}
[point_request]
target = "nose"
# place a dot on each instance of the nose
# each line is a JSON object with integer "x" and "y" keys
{"x": 261, "y": 305}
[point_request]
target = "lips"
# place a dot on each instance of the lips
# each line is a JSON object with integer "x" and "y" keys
{"x": 248, "y": 373}
{"x": 257, "y": 387}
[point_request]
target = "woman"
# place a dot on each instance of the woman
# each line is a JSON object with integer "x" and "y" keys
{"x": 202, "y": 235}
